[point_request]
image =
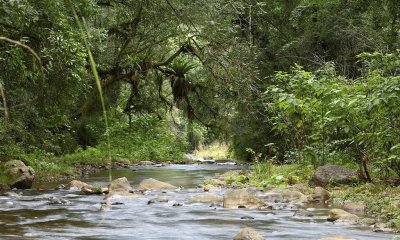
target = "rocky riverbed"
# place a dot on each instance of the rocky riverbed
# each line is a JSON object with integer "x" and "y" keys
{"x": 175, "y": 202}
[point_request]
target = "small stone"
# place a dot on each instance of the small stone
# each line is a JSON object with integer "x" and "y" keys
{"x": 248, "y": 234}
{"x": 247, "y": 217}
{"x": 177, "y": 204}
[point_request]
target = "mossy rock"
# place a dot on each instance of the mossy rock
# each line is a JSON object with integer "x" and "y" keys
{"x": 18, "y": 175}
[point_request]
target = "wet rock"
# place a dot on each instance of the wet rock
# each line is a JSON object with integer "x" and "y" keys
{"x": 91, "y": 191}
{"x": 153, "y": 184}
{"x": 333, "y": 174}
{"x": 247, "y": 218}
{"x": 339, "y": 215}
{"x": 117, "y": 203}
{"x": 158, "y": 200}
{"x": 320, "y": 195}
{"x": 337, "y": 237}
{"x": 248, "y": 234}
{"x": 120, "y": 185}
{"x": 206, "y": 198}
{"x": 355, "y": 207}
{"x": 210, "y": 188}
{"x": 78, "y": 185}
{"x": 57, "y": 201}
{"x": 381, "y": 227}
{"x": 241, "y": 198}
{"x": 177, "y": 205}
{"x": 10, "y": 194}
{"x": 19, "y": 175}
{"x": 367, "y": 221}
{"x": 61, "y": 186}
{"x": 285, "y": 195}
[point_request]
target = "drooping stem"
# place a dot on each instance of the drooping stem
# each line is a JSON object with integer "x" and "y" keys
{"x": 3, "y": 98}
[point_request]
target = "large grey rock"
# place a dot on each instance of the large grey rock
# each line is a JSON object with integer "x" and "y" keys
{"x": 333, "y": 175}
{"x": 153, "y": 184}
{"x": 241, "y": 198}
{"x": 120, "y": 185}
{"x": 20, "y": 175}
{"x": 248, "y": 234}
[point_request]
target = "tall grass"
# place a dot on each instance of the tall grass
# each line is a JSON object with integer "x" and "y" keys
{"x": 86, "y": 35}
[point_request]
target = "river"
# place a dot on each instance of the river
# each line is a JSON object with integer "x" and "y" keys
{"x": 31, "y": 216}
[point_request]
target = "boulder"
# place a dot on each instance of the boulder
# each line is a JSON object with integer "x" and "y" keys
{"x": 120, "y": 185}
{"x": 153, "y": 184}
{"x": 339, "y": 215}
{"x": 337, "y": 237}
{"x": 20, "y": 176}
{"x": 355, "y": 207}
{"x": 241, "y": 198}
{"x": 78, "y": 185}
{"x": 206, "y": 198}
{"x": 248, "y": 233}
{"x": 333, "y": 175}
{"x": 320, "y": 195}
{"x": 285, "y": 195}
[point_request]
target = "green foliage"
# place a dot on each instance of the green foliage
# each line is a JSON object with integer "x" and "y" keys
{"x": 328, "y": 118}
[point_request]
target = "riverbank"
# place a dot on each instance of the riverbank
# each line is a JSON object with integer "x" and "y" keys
{"x": 379, "y": 200}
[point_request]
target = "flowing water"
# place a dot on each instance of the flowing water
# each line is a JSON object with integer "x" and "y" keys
{"x": 31, "y": 216}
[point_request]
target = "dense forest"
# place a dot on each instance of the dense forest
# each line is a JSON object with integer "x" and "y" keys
{"x": 284, "y": 88}
{"x": 292, "y": 81}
